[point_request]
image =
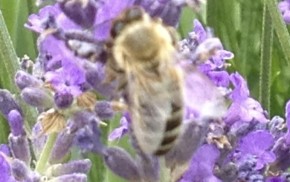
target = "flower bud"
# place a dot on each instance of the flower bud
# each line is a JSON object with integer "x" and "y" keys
{"x": 15, "y": 122}
{"x": 89, "y": 138}
{"x": 62, "y": 146}
{"x": 104, "y": 110}
{"x": 79, "y": 11}
{"x": 78, "y": 166}
{"x": 95, "y": 76}
{"x": 20, "y": 148}
{"x": 38, "y": 139}
{"x": 70, "y": 177}
{"x": 24, "y": 79}
{"x": 193, "y": 135}
{"x": 121, "y": 163}
{"x": 63, "y": 100}
{"x": 37, "y": 97}
{"x": 19, "y": 170}
{"x": 7, "y": 103}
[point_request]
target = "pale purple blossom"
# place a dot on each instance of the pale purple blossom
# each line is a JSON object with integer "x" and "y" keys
{"x": 284, "y": 7}
{"x": 258, "y": 145}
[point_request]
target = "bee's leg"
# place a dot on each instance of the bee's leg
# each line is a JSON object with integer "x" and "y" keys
{"x": 119, "y": 106}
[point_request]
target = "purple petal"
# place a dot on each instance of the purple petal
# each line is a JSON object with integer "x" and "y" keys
{"x": 202, "y": 164}
{"x": 117, "y": 133}
{"x": 241, "y": 90}
{"x": 200, "y": 31}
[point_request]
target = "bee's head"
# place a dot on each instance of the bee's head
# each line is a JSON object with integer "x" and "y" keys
{"x": 125, "y": 19}
{"x": 140, "y": 37}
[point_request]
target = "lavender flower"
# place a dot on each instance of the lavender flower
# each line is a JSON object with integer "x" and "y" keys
{"x": 202, "y": 165}
{"x": 284, "y": 7}
{"x": 257, "y": 144}
{"x": 243, "y": 108}
{"x": 117, "y": 133}
{"x": 5, "y": 169}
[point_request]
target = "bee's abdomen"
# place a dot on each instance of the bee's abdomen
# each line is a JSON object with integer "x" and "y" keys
{"x": 172, "y": 130}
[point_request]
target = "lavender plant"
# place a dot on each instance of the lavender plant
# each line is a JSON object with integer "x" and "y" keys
{"x": 227, "y": 135}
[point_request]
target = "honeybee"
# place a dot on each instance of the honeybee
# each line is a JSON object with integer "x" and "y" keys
{"x": 143, "y": 61}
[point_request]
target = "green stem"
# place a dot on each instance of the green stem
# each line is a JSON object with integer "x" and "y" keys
{"x": 280, "y": 28}
{"x": 266, "y": 59}
{"x": 44, "y": 156}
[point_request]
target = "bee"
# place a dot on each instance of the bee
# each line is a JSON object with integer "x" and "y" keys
{"x": 143, "y": 61}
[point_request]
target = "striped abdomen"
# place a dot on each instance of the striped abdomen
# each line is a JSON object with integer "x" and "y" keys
{"x": 172, "y": 130}
{"x": 156, "y": 108}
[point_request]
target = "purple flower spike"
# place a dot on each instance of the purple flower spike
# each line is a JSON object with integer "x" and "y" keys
{"x": 24, "y": 79}
{"x": 81, "y": 12}
{"x": 121, "y": 163}
{"x": 257, "y": 144}
{"x": 20, "y": 148}
{"x": 202, "y": 164}
{"x": 7, "y": 103}
{"x": 37, "y": 97}
{"x": 15, "y": 122}
{"x": 78, "y": 166}
{"x": 62, "y": 146}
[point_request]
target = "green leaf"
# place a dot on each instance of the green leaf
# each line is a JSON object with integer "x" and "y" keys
{"x": 15, "y": 14}
{"x": 266, "y": 60}
{"x": 8, "y": 58}
{"x": 280, "y": 28}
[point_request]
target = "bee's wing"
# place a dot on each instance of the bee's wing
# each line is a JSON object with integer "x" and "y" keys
{"x": 203, "y": 97}
{"x": 152, "y": 105}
